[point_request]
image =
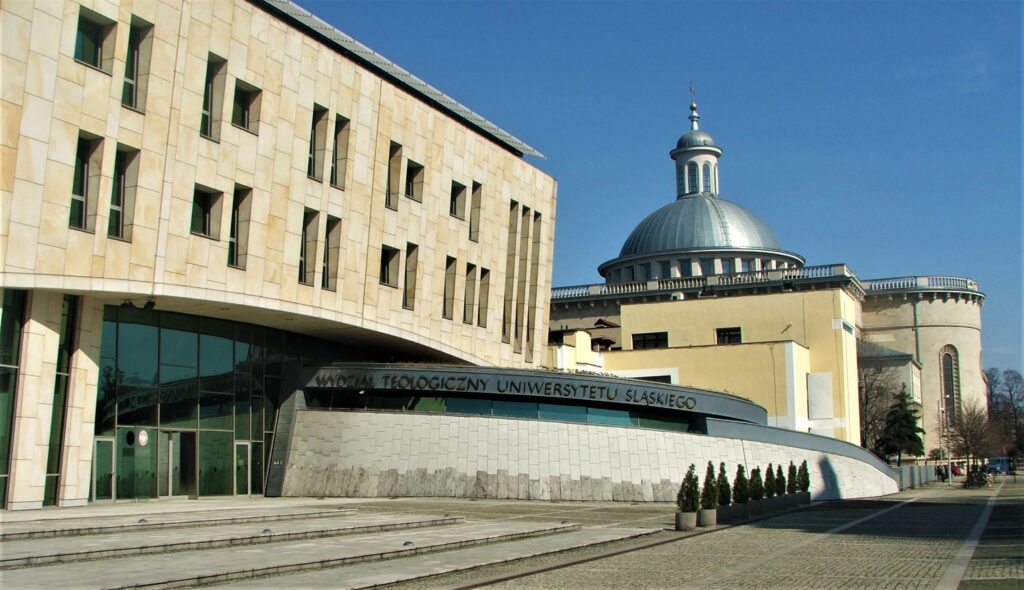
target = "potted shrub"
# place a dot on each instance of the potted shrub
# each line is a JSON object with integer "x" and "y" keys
{"x": 708, "y": 499}
{"x": 741, "y": 494}
{"x": 791, "y": 485}
{"x": 803, "y": 484}
{"x": 725, "y": 510}
{"x": 687, "y": 501}
{"x": 769, "y": 489}
{"x": 780, "y": 488}
{"x": 756, "y": 492}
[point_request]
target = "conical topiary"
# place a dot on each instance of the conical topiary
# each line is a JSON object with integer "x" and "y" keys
{"x": 791, "y": 479}
{"x": 688, "y": 498}
{"x": 724, "y": 491}
{"x": 803, "y": 478}
{"x": 709, "y": 495}
{"x": 741, "y": 487}
{"x": 756, "y": 484}
{"x": 769, "y": 482}
{"x": 780, "y": 481}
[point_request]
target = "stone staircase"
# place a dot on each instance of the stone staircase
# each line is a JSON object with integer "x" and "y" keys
{"x": 271, "y": 547}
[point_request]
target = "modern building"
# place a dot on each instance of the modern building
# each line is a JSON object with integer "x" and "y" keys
{"x": 702, "y": 294}
{"x": 242, "y": 253}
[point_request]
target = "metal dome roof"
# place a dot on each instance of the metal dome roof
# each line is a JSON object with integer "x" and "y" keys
{"x": 695, "y": 138}
{"x": 699, "y": 222}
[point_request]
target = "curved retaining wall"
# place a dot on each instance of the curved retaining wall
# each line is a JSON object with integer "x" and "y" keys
{"x": 371, "y": 454}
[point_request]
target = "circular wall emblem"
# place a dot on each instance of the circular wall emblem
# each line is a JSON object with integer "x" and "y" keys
{"x": 143, "y": 438}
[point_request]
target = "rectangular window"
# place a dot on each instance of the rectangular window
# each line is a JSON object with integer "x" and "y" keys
{"x": 665, "y": 269}
{"x": 414, "y": 181}
{"x": 707, "y": 266}
{"x": 728, "y": 335}
{"x": 746, "y": 265}
{"x": 136, "y": 64}
{"x": 339, "y": 147}
{"x": 394, "y": 176}
{"x": 650, "y": 340}
{"x": 332, "y": 252}
{"x": 510, "y": 271}
{"x": 685, "y": 268}
{"x": 470, "y": 294}
{"x": 474, "y": 212}
{"x": 727, "y": 266}
{"x": 317, "y": 143}
{"x": 238, "y": 236}
{"x": 307, "y": 247}
{"x": 457, "y": 205}
{"x": 485, "y": 293}
{"x": 409, "y": 293}
{"x": 206, "y": 213}
{"x": 94, "y": 40}
{"x": 86, "y": 183}
{"x": 213, "y": 97}
{"x": 245, "y": 108}
{"x": 389, "y": 266}
{"x": 448, "y": 308}
{"x": 122, "y": 193}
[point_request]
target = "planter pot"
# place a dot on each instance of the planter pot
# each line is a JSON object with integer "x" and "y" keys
{"x": 771, "y": 505}
{"x": 707, "y": 517}
{"x": 726, "y": 513}
{"x": 794, "y": 500}
{"x": 686, "y": 521}
{"x": 804, "y": 497}
{"x": 756, "y": 507}
{"x": 740, "y": 511}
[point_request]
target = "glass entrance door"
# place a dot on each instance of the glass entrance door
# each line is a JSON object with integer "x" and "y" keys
{"x": 103, "y": 469}
{"x": 243, "y": 468}
{"x": 177, "y": 465}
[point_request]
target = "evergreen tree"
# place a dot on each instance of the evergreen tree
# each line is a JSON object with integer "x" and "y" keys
{"x": 902, "y": 434}
{"x": 756, "y": 484}
{"x": 780, "y": 481}
{"x": 803, "y": 477}
{"x": 724, "y": 491}
{"x": 791, "y": 479}
{"x": 709, "y": 495}
{"x": 769, "y": 482}
{"x": 689, "y": 494}
{"x": 741, "y": 487}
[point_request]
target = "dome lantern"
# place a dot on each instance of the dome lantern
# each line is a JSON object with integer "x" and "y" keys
{"x": 696, "y": 157}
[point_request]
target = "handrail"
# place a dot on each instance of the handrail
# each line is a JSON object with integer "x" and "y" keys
{"x": 920, "y": 282}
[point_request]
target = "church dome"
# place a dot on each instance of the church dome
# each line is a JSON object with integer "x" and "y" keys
{"x": 699, "y": 222}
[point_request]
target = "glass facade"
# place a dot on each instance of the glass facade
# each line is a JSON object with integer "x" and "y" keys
{"x": 12, "y": 318}
{"x": 178, "y": 392}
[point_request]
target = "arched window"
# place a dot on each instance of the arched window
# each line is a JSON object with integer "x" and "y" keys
{"x": 707, "y": 177}
{"x": 691, "y": 174}
{"x": 949, "y": 367}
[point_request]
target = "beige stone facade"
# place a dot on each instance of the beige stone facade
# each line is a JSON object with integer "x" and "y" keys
{"x": 218, "y": 160}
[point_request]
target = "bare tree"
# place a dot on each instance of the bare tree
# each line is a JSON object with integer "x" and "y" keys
{"x": 1008, "y": 408}
{"x": 971, "y": 433}
{"x": 877, "y": 389}
{"x": 993, "y": 382}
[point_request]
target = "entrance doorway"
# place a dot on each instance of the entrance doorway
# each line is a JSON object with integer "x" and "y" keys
{"x": 243, "y": 468}
{"x": 176, "y": 468}
{"x": 103, "y": 470}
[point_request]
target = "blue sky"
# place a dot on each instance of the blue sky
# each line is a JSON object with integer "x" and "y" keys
{"x": 883, "y": 135}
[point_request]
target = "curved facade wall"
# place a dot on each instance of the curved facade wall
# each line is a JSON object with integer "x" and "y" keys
{"x": 368, "y": 454}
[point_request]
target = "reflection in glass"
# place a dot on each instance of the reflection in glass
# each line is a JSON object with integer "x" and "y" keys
{"x": 515, "y": 409}
{"x": 215, "y": 410}
{"x": 468, "y": 405}
{"x": 136, "y": 405}
{"x": 215, "y": 471}
{"x": 614, "y": 417}
{"x": 563, "y": 413}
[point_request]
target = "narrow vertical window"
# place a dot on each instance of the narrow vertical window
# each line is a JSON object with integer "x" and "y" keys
{"x": 213, "y": 97}
{"x": 58, "y": 413}
{"x": 339, "y": 147}
{"x": 414, "y": 181}
{"x": 122, "y": 193}
{"x": 727, "y": 266}
{"x": 707, "y": 266}
{"x": 411, "y": 262}
{"x": 522, "y": 279}
{"x": 691, "y": 177}
{"x": 332, "y": 252}
{"x": 394, "y": 176}
{"x": 136, "y": 64}
{"x": 485, "y": 293}
{"x": 950, "y": 373}
{"x": 238, "y": 236}
{"x": 531, "y": 313}
{"x": 510, "y": 271}
{"x": 307, "y": 247}
{"x": 206, "y": 213}
{"x": 94, "y": 40}
{"x": 317, "y": 143}
{"x": 245, "y": 107}
{"x": 389, "y": 266}
{"x": 474, "y": 212}
{"x": 85, "y": 183}
{"x": 707, "y": 177}
{"x": 457, "y": 205}
{"x": 470, "y": 295}
{"x": 448, "y": 305}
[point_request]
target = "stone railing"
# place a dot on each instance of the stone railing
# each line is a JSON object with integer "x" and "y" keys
{"x": 918, "y": 283}
{"x": 697, "y": 283}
